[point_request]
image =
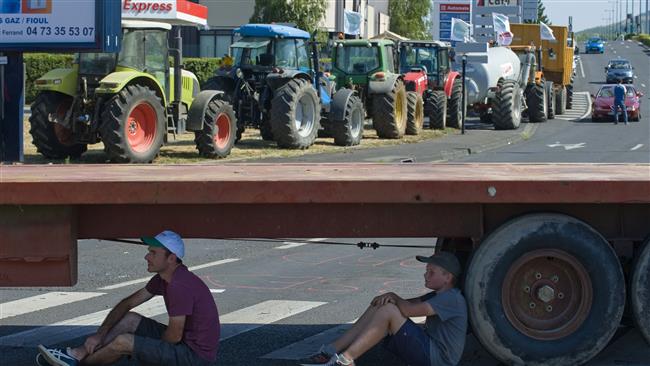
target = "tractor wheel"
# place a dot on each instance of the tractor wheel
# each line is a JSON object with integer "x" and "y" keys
{"x": 50, "y": 137}
{"x": 437, "y": 110}
{"x": 215, "y": 84}
{"x": 219, "y": 130}
{"x": 569, "y": 96}
{"x": 295, "y": 115}
{"x": 455, "y": 105}
{"x": 507, "y": 106}
{"x": 560, "y": 101}
{"x": 550, "y": 97}
{"x": 133, "y": 125}
{"x": 389, "y": 114}
{"x": 537, "y": 102}
{"x": 349, "y": 132}
{"x": 640, "y": 291}
{"x": 545, "y": 289}
{"x": 415, "y": 113}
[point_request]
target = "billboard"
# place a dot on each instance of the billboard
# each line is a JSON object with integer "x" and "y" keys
{"x": 444, "y": 11}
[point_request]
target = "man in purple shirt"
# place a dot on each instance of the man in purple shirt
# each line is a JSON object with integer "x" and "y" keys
{"x": 190, "y": 338}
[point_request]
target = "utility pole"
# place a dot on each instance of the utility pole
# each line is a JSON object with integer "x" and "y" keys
{"x": 627, "y": 12}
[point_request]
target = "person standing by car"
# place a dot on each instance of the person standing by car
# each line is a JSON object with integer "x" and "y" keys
{"x": 619, "y": 100}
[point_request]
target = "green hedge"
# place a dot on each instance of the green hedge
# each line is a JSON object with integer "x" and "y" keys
{"x": 645, "y": 39}
{"x": 37, "y": 64}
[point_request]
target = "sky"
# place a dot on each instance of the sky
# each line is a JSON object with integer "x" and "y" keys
{"x": 586, "y": 13}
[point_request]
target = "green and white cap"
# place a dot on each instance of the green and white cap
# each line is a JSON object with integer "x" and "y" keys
{"x": 167, "y": 239}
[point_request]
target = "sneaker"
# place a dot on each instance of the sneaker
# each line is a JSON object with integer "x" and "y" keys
{"x": 336, "y": 360}
{"x": 317, "y": 359}
{"x": 57, "y": 356}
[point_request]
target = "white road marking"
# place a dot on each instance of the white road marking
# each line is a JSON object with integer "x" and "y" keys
{"x": 568, "y": 146}
{"x": 290, "y": 244}
{"x": 642, "y": 85}
{"x": 582, "y": 69}
{"x": 76, "y": 327}
{"x": 145, "y": 279}
{"x": 637, "y": 147}
{"x": 266, "y": 312}
{"x": 217, "y": 290}
{"x": 43, "y": 301}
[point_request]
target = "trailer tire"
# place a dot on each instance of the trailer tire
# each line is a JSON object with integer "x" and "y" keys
{"x": 217, "y": 137}
{"x": 349, "y": 132}
{"x": 537, "y": 103}
{"x": 415, "y": 113}
{"x": 389, "y": 114}
{"x": 133, "y": 125}
{"x": 545, "y": 289}
{"x": 640, "y": 291}
{"x": 51, "y": 139}
{"x": 295, "y": 115}
{"x": 569, "y": 96}
{"x": 437, "y": 110}
{"x": 455, "y": 105}
{"x": 507, "y": 108}
{"x": 550, "y": 95}
{"x": 560, "y": 101}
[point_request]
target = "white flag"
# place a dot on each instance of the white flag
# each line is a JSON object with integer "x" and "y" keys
{"x": 352, "y": 23}
{"x": 460, "y": 30}
{"x": 546, "y": 33}
{"x": 500, "y": 23}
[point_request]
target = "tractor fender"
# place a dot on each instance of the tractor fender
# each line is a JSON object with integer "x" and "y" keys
{"x": 116, "y": 81}
{"x": 383, "y": 86}
{"x": 198, "y": 108}
{"x": 449, "y": 83}
{"x": 277, "y": 80}
{"x": 339, "y": 101}
{"x": 59, "y": 80}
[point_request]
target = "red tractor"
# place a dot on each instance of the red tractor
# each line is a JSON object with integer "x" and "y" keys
{"x": 433, "y": 89}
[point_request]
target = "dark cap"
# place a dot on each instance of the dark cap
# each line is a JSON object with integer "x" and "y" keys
{"x": 445, "y": 260}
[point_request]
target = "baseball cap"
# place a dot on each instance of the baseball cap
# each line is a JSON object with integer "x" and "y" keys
{"x": 167, "y": 239}
{"x": 446, "y": 260}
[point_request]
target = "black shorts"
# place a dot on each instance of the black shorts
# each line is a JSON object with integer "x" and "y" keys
{"x": 150, "y": 349}
{"x": 411, "y": 344}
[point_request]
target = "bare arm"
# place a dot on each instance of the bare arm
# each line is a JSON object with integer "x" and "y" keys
{"x": 409, "y": 308}
{"x": 174, "y": 332}
{"x": 123, "y": 307}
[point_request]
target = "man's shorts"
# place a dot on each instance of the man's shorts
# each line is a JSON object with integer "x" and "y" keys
{"x": 411, "y": 344}
{"x": 150, "y": 349}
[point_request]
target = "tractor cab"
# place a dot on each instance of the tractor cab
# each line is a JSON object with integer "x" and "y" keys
{"x": 429, "y": 57}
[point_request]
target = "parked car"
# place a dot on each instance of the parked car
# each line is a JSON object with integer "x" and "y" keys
{"x": 595, "y": 44}
{"x": 602, "y": 104}
{"x": 619, "y": 69}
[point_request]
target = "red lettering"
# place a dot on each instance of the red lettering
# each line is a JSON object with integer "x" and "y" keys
{"x": 155, "y": 7}
{"x": 127, "y": 5}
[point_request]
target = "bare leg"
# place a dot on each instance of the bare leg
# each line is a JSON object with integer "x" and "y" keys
{"x": 128, "y": 324}
{"x": 387, "y": 319}
{"x": 351, "y": 334}
{"x": 120, "y": 346}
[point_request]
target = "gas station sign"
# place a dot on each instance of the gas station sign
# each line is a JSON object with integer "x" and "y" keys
{"x": 176, "y": 12}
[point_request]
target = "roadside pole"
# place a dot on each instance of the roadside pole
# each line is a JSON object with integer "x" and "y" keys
{"x": 11, "y": 107}
{"x": 463, "y": 101}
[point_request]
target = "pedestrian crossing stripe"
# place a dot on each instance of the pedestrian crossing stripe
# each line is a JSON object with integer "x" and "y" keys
{"x": 43, "y": 301}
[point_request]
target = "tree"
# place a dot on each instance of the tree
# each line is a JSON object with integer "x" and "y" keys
{"x": 541, "y": 14}
{"x": 306, "y": 14}
{"x": 408, "y": 18}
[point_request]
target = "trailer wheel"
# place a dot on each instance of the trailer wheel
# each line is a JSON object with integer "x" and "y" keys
{"x": 49, "y": 136}
{"x": 389, "y": 114}
{"x": 507, "y": 109}
{"x": 437, "y": 110}
{"x": 545, "y": 289}
{"x": 217, "y": 137}
{"x": 415, "y": 113}
{"x": 569, "y": 95}
{"x": 560, "y": 101}
{"x": 640, "y": 291}
{"x": 133, "y": 125}
{"x": 550, "y": 95}
{"x": 295, "y": 115}
{"x": 349, "y": 131}
{"x": 455, "y": 105}
{"x": 537, "y": 102}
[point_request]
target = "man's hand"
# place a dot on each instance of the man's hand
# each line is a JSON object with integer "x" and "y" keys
{"x": 384, "y": 299}
{"x": 92, "y": 342}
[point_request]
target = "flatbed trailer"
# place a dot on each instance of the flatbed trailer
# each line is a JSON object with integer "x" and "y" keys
{"x": 551, "y": 252}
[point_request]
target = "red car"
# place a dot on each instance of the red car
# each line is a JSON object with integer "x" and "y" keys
{"x": 603, "y": 102}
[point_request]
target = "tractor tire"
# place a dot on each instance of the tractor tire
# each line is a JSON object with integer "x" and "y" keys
{"x": 133, "y": 125}
{"x": 217, "y": 137}
{"x": 537, "y": 103}
{"x": 389, "y": 112}
{"x": 569, "y": 96}
{"x": 437, "y": 110}
{"x": 214, "y": 84}
{"x": 545, "y": 289}
{"x": 506, "y": 111}
{"x": 51, "y": 139}
{"x": 640, "y": 291}
{"x": 265, "y": 129}
{"x": 295, "y": 115}
{"x": 455, "y": 107}
{"x": 415, "y": 113}
{"x": 349, "y": 132}
{"x": 560, "y": 101}
{"x": 550, "y": 97}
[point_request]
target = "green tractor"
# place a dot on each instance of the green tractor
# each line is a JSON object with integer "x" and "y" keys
{"x": 129, "y": 101}
{"x": 369, "y": 67}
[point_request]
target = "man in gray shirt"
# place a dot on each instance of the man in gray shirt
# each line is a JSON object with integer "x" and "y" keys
{"x": 442, "y": 340}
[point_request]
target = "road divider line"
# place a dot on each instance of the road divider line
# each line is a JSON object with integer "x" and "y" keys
{"x": 267, "y": 312}
{"x": 43, "y": 301}
{"x": 291, "y": 244}
{"x": 145, "y": 279}
{"x": 637, "y": 147}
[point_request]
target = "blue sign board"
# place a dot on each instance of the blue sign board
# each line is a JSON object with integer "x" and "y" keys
{"x": 446, "y": 17}
{"x": 60, "y": 25}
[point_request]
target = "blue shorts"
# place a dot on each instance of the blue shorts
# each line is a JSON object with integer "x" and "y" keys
{"x": 411, "y": 344}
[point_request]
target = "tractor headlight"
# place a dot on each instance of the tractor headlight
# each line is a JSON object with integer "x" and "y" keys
{"x": 110, "y": 85}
